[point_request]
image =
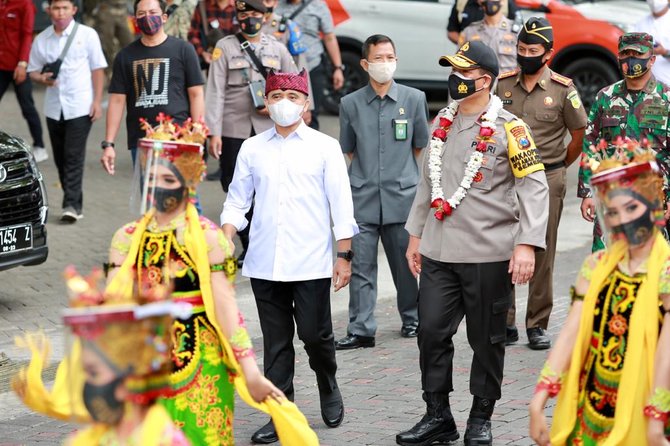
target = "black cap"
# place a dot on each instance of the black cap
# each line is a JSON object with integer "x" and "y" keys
{"x": 473, "y": 55}
{"x": 537, "y": 30}
{"x": 250, "y": 5}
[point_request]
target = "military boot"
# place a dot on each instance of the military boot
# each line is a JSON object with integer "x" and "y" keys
{"x": 478, "y": 430}
{"x": 437, "y": 425}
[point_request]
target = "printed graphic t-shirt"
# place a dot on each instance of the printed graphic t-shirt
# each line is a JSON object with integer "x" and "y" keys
{"x": 155, "y": 79}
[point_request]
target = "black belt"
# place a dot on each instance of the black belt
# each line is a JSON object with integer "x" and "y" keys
{"x": 554, "y": 166}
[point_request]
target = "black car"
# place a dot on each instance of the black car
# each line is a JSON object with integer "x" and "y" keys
{"x": 23, "y": 206}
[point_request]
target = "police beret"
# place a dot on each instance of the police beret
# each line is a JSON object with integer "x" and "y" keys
{"x": 537, "y": 30}
{"x": 250, "y": 5}
{"x": 470, "y": 55}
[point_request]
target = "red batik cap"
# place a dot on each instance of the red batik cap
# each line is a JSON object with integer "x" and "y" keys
{"x": 287, "y": 81}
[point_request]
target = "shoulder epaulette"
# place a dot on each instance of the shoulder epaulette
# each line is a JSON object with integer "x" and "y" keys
{"x": 507, "y": 74}
{"x": 566, "y": 81}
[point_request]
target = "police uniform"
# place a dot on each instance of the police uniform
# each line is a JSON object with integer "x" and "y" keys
{"x": 230, "y": 111}
{"x": 619, "y": 112}
{"x": 551, "y": 109}
{"x": 501, "y": 38}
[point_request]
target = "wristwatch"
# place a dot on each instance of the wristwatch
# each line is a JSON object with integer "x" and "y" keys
{"x": 105, "y": 144}
{"x": 338, "y": 67}
{"x": 346, "y": 255}
{"x": 22, "y": 64}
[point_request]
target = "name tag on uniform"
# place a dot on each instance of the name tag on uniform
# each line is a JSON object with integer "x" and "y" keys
{"x": 400, "y": 129}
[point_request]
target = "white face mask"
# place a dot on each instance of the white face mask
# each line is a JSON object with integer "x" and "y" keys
{"x": 285, "y": 113}
{"x": 381, "y": 72}
{"x": 657, "y": 6}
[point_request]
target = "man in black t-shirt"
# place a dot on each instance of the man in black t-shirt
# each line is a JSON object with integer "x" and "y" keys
{"x": 465, "y": 12}
{"x": 156, "y": 73}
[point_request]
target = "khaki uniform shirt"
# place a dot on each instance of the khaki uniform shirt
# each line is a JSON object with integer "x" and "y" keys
{"x": 499, "y": 212}
{"x": 500, "y": 38}
{"x": 229, "y": 109}
{"x": 551, "y": 109}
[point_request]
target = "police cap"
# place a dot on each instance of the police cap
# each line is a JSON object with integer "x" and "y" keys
{"x": 473, "y": 55}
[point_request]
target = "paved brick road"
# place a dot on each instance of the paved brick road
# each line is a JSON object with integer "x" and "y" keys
{"x": 381, "y": 386}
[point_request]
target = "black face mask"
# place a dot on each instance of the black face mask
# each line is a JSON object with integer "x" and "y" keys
{"x": 530, "y": 65}
{"x": 491, "y": 7}
{"x": 251, "y": 25}
{"x": 461, "y": 87}
{"x": 167, "y": 200}
{"x": 637, "y": 231}
{"x": 633, "y": 67}
{"x": 101, "y": 402}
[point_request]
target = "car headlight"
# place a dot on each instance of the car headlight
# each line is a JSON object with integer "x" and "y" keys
{"x": 33, "y": 166}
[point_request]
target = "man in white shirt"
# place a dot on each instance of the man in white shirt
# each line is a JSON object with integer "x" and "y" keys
{"x": 657, "y": 23}
{"x": 73, "y": 96}
{"x": 299, "y": 181}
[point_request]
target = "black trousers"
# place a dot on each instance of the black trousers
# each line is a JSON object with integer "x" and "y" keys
{"x": 68, "y": 140}
{"x": 230, "y": 148}
{"x": 319, "y": 79}
{"x": 308, "y": 303}
{"x": 447, "y": 292}
{"x": 24, "y": 95}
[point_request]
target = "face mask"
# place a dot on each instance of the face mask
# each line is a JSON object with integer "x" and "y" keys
{"x": 461, "y": 87}
{"x": 657, "y": 6}
{"x": 381, "y": 72}
{"x": 167, "y": 200}
{"x": 637, "y": 231}
{"x": 530, "y": 65}
{"x": 101, "y": 402}
{"x": 150, "y": 24}
{"x": 633, "y": 67}
{"x": 61, "y": 23}
{"x": 491, "y": 7}
{"x": 251, "y": 25}
{"x": 285, "y": 113}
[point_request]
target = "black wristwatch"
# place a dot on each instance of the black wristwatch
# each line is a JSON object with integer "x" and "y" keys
{"x": 105, "y": 144}
{"x": 346, "y": 255}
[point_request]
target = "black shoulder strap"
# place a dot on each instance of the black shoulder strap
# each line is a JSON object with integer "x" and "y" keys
{"x": 246, "y": 46}
{"x": 305, "y": 3}
{"x": 203, "y": 16}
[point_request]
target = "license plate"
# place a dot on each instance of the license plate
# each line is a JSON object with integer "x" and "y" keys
{"x": 16, "y": 238}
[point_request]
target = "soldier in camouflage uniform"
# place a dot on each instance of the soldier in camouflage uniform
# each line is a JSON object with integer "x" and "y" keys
{"x": 179, "y": 22}
{"x": 636, "y": 107}
{"x": 110, "y": 18}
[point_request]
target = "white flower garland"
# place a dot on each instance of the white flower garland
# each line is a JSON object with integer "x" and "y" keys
{"x": 488, "y": 120}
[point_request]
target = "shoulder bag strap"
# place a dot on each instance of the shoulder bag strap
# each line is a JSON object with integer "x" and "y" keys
{"x": 70, "y": 38}
{"x": 246, "y": 46}
{"x": 305, "y": 4}
{"x": 203, "y": 16}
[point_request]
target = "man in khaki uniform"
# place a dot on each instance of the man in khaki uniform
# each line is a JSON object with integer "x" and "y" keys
{"x": 496, "y": 31}
{"x": 230, "y": 110}
{"x": 478, "y": 217}
{"x": 550, "y": 105}
{"x": 110, "y": 18}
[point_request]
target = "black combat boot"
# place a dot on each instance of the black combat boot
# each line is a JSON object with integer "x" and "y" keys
{"x": 478, "y": 430}
{"x": 437, "y": 425}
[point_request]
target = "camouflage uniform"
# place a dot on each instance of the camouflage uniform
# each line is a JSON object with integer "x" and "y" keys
{"x": 617, "y": 112}
{"x": 179, "y": 22}
{"x": 111, "y": 22}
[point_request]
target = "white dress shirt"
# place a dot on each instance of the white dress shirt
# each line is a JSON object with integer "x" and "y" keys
{"x": 659, "y": 28}
{"x": 299, "y": 183}
{"x": 73, "y": 91}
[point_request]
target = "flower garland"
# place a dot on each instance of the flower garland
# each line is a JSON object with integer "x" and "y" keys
{"x": 444, "y": 208}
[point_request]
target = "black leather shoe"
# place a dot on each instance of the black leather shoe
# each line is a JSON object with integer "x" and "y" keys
{"x": 511, "y": 335}
{"x": 428, "y": 431}
{"x": 478, "y": 432}
{"x": 352, "y": 341}
{"x": 332, "y": 408}
{"x": 265, "y": 435}
{"x": 538, "y": 339}
{"x": 409, "y": 331}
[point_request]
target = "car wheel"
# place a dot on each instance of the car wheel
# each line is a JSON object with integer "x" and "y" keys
{"x": 354, "y": 78}
{"x": 590, "y": 75}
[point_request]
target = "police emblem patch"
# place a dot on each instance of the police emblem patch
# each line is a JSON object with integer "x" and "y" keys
{"x": 508, "y": 94}
{"x": 216, "y": 53}
{"x": 462, "y": 88}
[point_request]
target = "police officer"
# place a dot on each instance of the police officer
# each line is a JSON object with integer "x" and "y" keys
{"x": 550, "y": 105}
{"x": 465, "y": 12}
{"x": 496, "y": 31}
{"x": 479, "y": 214}
{"x": 635, "y": 107}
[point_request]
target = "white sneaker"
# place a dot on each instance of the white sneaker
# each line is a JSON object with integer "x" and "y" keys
{"x": 40, "y": 154}
{"x": 70, "y": 215}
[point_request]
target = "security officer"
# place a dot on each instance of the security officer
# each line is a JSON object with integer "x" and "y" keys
{"x": 234, "y": 108}
{"x": 550, "y": 105}
{"x": 479, "y": 214}
{"x": 383, "y": 127}
{"x": 635, "y": 107}
{"x": 496, "y": 31}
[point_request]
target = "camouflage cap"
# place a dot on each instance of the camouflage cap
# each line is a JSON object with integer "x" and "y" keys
{"x": 640, "y": 42}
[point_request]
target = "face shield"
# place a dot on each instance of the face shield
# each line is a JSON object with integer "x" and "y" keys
{"x": 629, "y": 202}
